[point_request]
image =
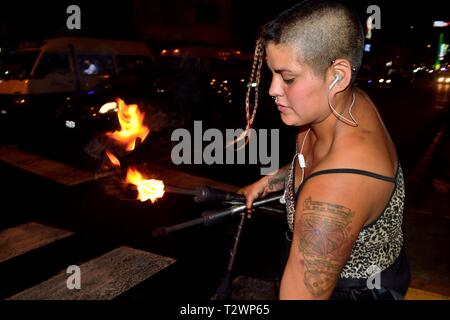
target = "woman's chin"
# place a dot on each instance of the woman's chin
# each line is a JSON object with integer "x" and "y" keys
{"x": 288, "y": 120}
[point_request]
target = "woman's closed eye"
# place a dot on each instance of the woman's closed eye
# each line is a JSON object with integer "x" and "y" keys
{"x": 288, "y": 81}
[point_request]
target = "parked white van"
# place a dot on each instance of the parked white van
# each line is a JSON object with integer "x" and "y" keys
{"x": 67, "y": 64}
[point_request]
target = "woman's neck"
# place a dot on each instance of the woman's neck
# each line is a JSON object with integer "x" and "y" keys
{"x": 326, "y": 131}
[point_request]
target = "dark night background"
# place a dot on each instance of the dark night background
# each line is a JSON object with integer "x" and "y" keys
{"x": 29, "y": 20}
{"x": 414, "y": 107}
{"x": 407, "y": 37}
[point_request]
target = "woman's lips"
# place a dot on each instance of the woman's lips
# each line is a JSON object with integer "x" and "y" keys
{"x": 282, "y": 108}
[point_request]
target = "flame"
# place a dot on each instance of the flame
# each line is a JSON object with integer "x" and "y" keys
{"x": 131, "y": 128}
{"x": 131, "y": 125}
{"x": 150, "y": 189}
{"x": 113, "y": 159}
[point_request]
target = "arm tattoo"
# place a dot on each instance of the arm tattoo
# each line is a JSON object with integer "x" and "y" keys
{"x": 324, "y": 230}
{"x": 277, "y": 181}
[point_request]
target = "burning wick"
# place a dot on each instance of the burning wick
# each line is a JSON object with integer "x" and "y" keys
{"x": 113, "y": 159}
{"x": 150, "y": 189}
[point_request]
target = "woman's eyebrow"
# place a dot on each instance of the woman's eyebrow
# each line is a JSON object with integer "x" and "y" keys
{"x": 282, "y": 70}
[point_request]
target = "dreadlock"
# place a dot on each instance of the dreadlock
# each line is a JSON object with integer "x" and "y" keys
{"x": 252, "y": 87}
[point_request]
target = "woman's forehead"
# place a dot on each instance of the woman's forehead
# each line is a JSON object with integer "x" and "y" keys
{"x": 283, "y": 56}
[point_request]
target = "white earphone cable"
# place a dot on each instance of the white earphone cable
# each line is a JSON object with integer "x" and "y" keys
{"x": 353, "y": 123}
{"x": 301, "y": 160}
{"x": 302, "y": 163}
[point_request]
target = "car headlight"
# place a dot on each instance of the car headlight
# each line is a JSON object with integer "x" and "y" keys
{"x": 441, "y": 79}
{"x": 447, "y": 80}
{"x": 70, "y": 124}
{"x": 108, "y": 107}
{"x": 20, "y": 101}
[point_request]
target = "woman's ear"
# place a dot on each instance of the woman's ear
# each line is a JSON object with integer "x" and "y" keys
{"x": 340, "y": 75}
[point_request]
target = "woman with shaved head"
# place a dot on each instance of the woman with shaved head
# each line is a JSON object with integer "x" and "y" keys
{"x": 344, "y": 190}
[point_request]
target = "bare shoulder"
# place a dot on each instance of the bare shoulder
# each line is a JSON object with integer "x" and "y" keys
{"x": 363, "y": 149}
{"x": 367, "y": 148}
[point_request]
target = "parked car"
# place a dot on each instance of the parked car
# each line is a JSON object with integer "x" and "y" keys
{"x": 34, "y": 79}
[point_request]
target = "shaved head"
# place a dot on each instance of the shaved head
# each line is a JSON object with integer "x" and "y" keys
{"x": 320, "y": 31}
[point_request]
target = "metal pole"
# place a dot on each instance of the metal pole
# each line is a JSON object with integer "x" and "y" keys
{"x": 172, "y": 189}
{"x": 224, "y": 290}
{"x": 212, "y": 216}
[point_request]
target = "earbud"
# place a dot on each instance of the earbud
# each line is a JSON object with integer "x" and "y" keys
{"x": 337, "y": 78}
{"x": 301, "y": 161}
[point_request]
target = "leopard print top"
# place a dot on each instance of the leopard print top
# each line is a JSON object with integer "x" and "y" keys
{"x": 378, "y": 244}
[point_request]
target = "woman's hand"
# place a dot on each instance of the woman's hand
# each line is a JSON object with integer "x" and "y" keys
{"x": 254, "y": 191}
{"x": 263, "y": 187}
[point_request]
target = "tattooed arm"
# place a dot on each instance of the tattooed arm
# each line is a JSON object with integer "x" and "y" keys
{"x": 328, "y": 220}
{"x": 265, "y": 185}
{"x": 276, "y": 182}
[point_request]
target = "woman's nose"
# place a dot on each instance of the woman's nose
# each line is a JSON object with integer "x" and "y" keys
{"x": 275, "y": 89}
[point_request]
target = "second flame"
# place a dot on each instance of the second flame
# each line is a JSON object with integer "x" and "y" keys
{"x": 149, "y": 189}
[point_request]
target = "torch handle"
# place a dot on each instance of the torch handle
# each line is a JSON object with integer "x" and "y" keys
{"x": 211, "y": 217}
{"x": 209, "y": 194}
